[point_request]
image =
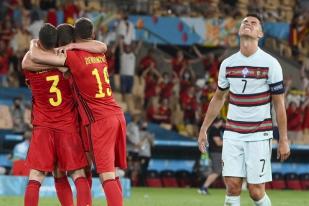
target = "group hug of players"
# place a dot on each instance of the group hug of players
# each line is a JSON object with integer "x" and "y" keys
{"x": 76, "y": 121}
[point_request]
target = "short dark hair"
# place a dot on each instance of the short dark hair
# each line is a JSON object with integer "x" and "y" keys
{"x": 65, "y": 34}
{"x": 48, "y": 36}
{"x": 256, "y": 16}
{"x": 83, "y": 28}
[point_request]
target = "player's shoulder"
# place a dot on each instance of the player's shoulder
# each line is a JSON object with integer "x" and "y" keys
{"x": 266, "y": 56}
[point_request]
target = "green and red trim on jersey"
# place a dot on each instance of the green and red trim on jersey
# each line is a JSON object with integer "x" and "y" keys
{"x": 250, "y": 100}
{"x": 247, "y": 72}
{"x": 249, "y": 127}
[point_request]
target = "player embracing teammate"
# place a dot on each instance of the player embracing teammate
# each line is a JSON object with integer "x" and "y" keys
{"x": 98, "y": 110}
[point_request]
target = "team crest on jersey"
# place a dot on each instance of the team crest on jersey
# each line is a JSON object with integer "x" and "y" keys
{"x": 258, "y": 73}
{"x": 245, "y": 72}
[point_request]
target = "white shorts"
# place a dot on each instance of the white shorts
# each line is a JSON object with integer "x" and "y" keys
{"x": 246, "y": 159}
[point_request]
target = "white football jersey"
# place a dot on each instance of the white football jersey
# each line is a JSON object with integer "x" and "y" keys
{"x": 251, "y": 82}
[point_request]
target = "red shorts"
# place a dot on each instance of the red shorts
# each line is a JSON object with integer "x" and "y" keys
{"x": 50, "y": 148}
{"x": 108, "y": 137}
{"x": 85, "y": 137}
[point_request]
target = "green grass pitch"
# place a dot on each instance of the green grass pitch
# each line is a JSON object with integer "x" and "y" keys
{"x": 181, "y": 197}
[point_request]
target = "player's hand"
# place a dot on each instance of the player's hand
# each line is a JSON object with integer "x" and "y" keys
{"x": 63, "y": 49}
{"x": 283, "y": 151}
{"x": 202, "y": 140}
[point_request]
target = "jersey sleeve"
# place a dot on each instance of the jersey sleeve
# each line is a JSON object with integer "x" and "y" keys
{"x": 275, "y": 78}
{"x": 223, "y": 82}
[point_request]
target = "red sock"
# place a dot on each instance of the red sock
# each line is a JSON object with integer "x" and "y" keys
{"x": 119, "y": 183}
{"x": 112, "y": 193}
{"x": 89, "y": 178}
{"x": 32, "y": 193}
{"x": 64, "y": 192}
{"x": 83, "y": 194}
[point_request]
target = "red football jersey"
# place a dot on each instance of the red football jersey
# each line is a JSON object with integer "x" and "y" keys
{"x": 53, "y": 104}
{"x": 91, "y": 81}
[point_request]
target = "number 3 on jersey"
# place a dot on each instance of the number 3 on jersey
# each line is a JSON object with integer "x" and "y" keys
{"x": 54, "y": 89}
{"x": 100, "y": 93}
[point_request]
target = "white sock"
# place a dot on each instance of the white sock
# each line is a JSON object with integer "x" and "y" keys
{"x": 265, "y": 201}
{"x": 232, "y": 201}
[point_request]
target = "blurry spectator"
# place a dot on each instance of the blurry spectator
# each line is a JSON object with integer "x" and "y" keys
{"x": 133, "y": 136}
{"x": 215, "y": 153}
{"x": 106, "y": 34}
{"x": 47, "y": 4}
{"x": 167, "y": 85}
{"x": 159, "y": 112}
{"x": 152, "y": 79}
{"x": 145, "y": 151}
{"x": 70, "y": 11}
{"x": 17, "y": 112}
{"x": 294, "y": 122}
{"x": 139, "y": 147}
{"x": 186, "y": 78}
{"x": 179, "y": 62}
{"x": 52, "y": 17}
{"x": 21, "y": 149}
{"x": 211, "y": 62}
{"x": 36, "y": 24}
{"x": 5, "y": 55}
{"x": 125, "y": 29}
{"x": 297, "y": 33}
{"x": 189, "y": 105}
{"x": 13, "y": 79}
{"x": 6, "y": 30}
{"x": 20, "y": 44}
{"x": 305, "y": 109}
{"x": 147, "y": 61}
{"x": 128, "y": 54}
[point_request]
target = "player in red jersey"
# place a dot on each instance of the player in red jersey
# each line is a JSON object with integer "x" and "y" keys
{"x": 100, "y": 111}
{"x": 55, "y": 120}
{"x": 65, "y": 37}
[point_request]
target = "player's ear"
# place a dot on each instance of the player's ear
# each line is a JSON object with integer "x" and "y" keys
{"x": 261, "y": 34}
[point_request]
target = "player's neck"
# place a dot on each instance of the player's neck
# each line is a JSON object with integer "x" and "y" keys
{"x": 248, "y": 46}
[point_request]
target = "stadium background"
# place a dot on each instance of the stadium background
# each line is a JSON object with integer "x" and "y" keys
{"x": 171, "y": 98}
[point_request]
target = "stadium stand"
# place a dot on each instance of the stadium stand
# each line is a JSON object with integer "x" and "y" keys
{"x": 292, "y": 181}
{"x": 153, "y": 179}
{"x": 168, "y": 178}
{"x": 304, "y": 180}
{"x": 278, "y": 181}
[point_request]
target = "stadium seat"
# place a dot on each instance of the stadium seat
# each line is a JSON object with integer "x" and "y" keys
{"x": 168, "y": 178}
{"x": 292, "y": 181}
{"x": 183, "y": 178}
{"x": 19, "y": 168}
{"x": 304, "y": 180}
{"x": 278, "y": 182}
{"x": 218, "y": 183}
{"x": 153, "y": 179}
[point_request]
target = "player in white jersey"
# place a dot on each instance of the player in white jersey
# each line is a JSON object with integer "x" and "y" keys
{"x": 254, "y": 81}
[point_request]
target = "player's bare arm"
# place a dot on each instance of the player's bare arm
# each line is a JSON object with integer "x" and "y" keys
{"x": 213, "y": 111}
{"x": 40, "y": 56}
{"x": 93, "y": 46}
{"x": 28, "y": 64}
{"x": 283, "y": 151}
